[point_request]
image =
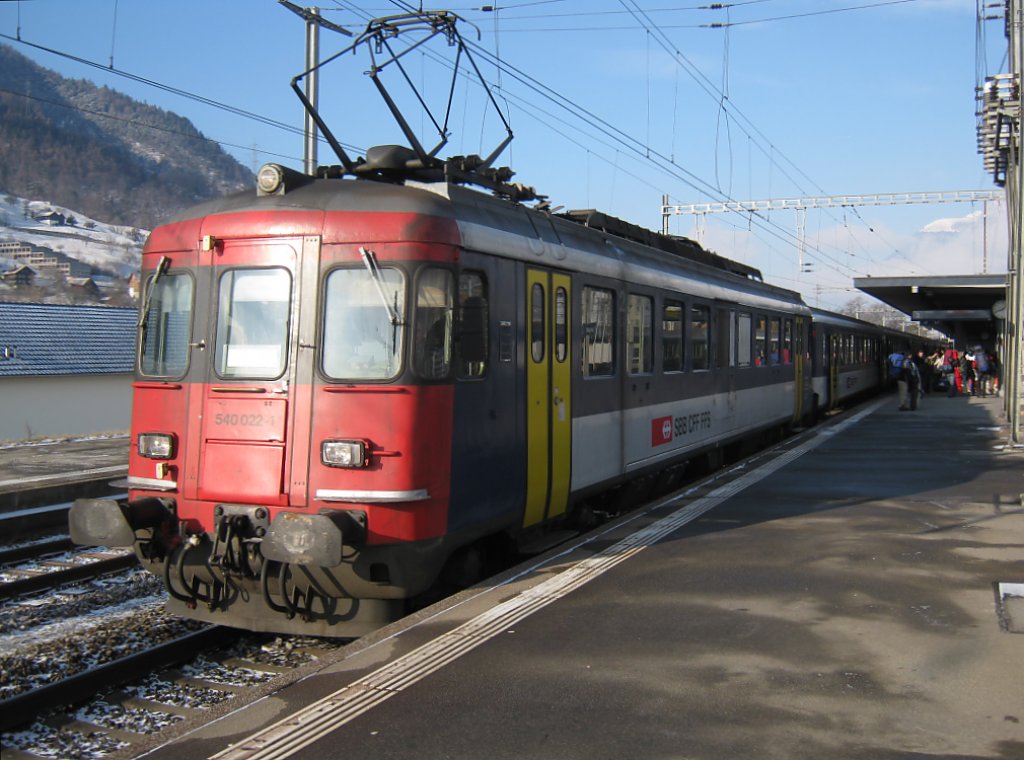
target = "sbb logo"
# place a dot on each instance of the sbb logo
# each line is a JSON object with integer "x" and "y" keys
{"x": 661, "y": 431}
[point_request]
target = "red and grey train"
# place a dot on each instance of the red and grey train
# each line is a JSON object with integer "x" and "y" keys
{"x": 344, "y": 387}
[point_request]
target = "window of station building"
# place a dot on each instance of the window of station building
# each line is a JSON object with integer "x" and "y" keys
{"x": 537, "y": 341}
{"x": 760, "y": 340}
{"x": 672, "y": 354}
{"x": 639, "y": 335}
{"x": 432, "y": 324}
{"x": 775, "y": 340}
{"x": 252, "y": 323}
{"x": 361, "y": 342}
{"x": 700, "y": 337}
{"x": 787, "y": 341}
{"x": 744, "y": 324}
{"x": 473, "y": 343}
{"x": 597, "y": 306}
{"x": 167, "y": 326}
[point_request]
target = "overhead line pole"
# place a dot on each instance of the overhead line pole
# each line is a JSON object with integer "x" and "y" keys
{"x": 309, "y": 155}
{"x": 999, "y": 142}
{"x": 313, "y": 21}
{"x": 1015, "y": 214}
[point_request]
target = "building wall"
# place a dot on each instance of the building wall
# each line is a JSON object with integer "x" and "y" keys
{"x": 56, "y": 406}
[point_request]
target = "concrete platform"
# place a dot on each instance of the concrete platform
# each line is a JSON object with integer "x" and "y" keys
{"x": 839, "y": 597}
{"x": 42, "y": 472}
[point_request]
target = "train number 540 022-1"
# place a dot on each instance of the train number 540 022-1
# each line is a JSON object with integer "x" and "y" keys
{"x": 246, "y": 420}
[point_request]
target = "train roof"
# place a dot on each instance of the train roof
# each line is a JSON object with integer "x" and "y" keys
{"x": 821, "y": 316}
{"x": 587, "y": 241}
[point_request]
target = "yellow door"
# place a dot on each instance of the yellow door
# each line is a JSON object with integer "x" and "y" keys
{"x": 548, "y": 395}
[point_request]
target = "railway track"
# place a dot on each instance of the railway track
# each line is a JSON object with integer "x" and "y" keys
{"x": 114, "y": 709}
{"x": 47, "y": 574}
{"x": 23, "y": 708}
{"x": 34, "y": 550}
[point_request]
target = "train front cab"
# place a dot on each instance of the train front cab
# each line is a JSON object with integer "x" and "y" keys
{"x": 288, "y": 461}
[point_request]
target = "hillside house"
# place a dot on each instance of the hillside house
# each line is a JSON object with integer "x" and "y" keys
{"x": 21, "y": 276}
{"x": 65, "y": 370}
{"x": 51, "y": 218}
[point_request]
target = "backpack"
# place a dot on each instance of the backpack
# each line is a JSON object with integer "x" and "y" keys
{"x": 981, "y": 361}
{"x": 895, "y": 365}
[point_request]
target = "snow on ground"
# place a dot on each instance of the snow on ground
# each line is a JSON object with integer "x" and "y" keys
{"x": 109, "y": 247}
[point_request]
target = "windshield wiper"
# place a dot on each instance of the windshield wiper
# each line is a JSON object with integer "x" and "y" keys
{"x": 161, "y": 267}
{"x": 370, "y": 260}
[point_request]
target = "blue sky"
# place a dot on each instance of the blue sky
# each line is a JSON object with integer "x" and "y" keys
{"x": 794, "y": 98}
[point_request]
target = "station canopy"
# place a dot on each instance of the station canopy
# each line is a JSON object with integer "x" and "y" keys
{"x": 968, "y": 308}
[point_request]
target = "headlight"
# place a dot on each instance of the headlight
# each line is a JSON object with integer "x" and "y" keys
{"x": 270, "y": 179}
{"x": 156, "y": 445}
{"x": 343, "y": 453}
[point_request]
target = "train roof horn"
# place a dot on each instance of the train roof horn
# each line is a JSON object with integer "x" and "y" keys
{"x": 396, "y": 163}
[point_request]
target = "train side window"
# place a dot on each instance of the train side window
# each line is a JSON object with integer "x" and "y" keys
{"x": 743, "y": 335}
{"x": 561, "y": 325}
{"x": 166, "y": 329}
{"x": 252, "y": 323}
{"x": 360, "y": 342}
{"x": 639, "y": 335}
{"x": 597, "y": 312}
{"x": 473, "y": 345}
{"x": 787, "y": 342}
{"x": 760, "y": 340}
{"x": 537, "y": 322}
{"x": 725, "y": 346}
{"x": 432, "y": 340}
{"x": 774, "y": 340}
{"x": 700, "y": 337}
{"x": 672, "y": 353}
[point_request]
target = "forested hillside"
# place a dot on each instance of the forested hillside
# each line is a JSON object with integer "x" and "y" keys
{"x": 96, "y": 150}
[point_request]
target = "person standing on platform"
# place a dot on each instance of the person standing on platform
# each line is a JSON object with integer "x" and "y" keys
{"x": 967, "y": 373}
{"x": 913, "y": 380}
{"x": 897, "y": 371}
{"x": 924, "y": 371}
{"x": 951, "y": 368}
{"x": 981, "y": 371}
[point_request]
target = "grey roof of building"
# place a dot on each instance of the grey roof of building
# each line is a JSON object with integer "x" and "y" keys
{"x": 50, "y": 339}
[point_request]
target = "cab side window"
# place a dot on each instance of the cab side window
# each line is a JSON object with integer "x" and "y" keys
{"x": 432, "y": 346}
{"x": 473, "y": 339}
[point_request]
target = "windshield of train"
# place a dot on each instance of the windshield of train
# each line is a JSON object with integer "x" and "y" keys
{"x": 166, "y": 326}
{"x": 363, "y": 324}
{"x": 252, "y": 323}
